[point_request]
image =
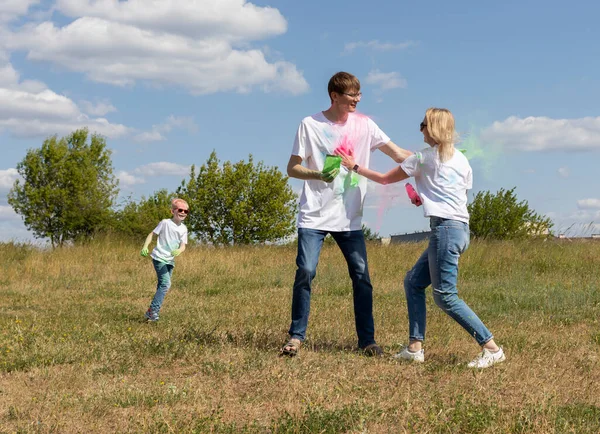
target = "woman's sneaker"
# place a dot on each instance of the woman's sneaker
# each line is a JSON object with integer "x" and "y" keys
{"x": 405, "y": 354}
{"x": 486, "y": 359}
{"x": 151, "y": 316}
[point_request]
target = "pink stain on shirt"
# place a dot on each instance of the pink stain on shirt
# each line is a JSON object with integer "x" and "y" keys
{"x": 346, "y": 142}
{"x": 345, "y": 145}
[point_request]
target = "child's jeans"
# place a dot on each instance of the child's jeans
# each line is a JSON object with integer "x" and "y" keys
{"x": 163, "y": 274}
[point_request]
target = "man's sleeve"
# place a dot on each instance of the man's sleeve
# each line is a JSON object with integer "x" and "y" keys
{"x": 378, "y": 137}
{"x": 301, "y": 147}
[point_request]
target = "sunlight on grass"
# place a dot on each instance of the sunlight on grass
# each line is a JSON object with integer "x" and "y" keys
{"x": 76, "y": 355}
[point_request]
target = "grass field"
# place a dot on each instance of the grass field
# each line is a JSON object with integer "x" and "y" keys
{"x": 75, "y": 355}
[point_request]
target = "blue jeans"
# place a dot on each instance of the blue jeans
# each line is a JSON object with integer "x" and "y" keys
{"x": 352, "y": 245}
{"x": 163, "y": 274}
{"x": 438, "y": 267}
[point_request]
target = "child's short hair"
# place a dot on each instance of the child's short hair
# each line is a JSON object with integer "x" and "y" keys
{"x": 177, "y": 202}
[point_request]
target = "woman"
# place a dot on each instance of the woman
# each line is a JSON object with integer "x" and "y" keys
{"x": 443, "y": 177}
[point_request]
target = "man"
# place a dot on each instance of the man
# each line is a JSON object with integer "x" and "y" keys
{"x": 332, "y": 202}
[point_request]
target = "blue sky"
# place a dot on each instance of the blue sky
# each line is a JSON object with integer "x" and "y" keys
{"x": 168, "y": 81}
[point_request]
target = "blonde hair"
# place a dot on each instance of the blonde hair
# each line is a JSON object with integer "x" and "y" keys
{"x": 176, "y": 203}
{"x": 440, "y": 126}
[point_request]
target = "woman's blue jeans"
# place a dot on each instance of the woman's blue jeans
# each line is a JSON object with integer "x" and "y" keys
{"x": 163, "y": 275}
{"x": 352, "y": 245}
{"x": 438, "y": 267}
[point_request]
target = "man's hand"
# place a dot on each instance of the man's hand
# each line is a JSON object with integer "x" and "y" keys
{"x": 329, "y": 176}
{"x": 176, "y": 252}
{"x": 144, "y": 252}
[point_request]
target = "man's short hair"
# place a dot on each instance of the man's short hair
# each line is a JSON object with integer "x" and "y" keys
{"x": 343, "y": 82}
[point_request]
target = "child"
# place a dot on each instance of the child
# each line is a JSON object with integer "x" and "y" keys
{"x": 172, "y": 239}
{"x": 443, "y": 177}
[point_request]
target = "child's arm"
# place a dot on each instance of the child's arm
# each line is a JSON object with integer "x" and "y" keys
{"x": 144, "y": 251}
{"x": 394, "y": 175}
{"x": 179, "y": 251}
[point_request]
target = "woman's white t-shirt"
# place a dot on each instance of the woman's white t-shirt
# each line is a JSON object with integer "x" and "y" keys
{"x": 335, "y": 206}
{"x": 442, "y": 186}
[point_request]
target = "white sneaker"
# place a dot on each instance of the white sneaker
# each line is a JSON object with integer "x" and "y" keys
{"x": 405, "y": 354}
{"x": 486, "y": 359}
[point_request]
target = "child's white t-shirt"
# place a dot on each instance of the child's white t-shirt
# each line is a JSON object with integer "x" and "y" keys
{"x": 170, "y": 237}
{"x": 335, "y": 206}
{"x": 442, "y": 186}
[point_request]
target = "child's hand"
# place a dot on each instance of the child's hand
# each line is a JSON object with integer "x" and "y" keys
{"x": 144, "y": 252}
{"x": 176, "y": 252}
{"x": 329, "y": 176}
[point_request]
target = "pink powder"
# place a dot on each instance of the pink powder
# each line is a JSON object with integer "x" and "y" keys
{"x": 345, "y": 146}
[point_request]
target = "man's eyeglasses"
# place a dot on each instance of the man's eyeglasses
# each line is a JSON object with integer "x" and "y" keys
{"x": 422, "y": 126}
{"x": 185, "y": 211}
{"x": 353, "y": 95}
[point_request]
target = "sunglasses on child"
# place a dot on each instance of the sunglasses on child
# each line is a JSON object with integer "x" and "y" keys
{"x": 185, "y": 211}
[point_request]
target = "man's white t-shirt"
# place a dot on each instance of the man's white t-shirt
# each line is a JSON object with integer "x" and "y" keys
{"x": 335, "y": 206}
{"x": 170, "y": 237}
{"x": 442, "y": 186}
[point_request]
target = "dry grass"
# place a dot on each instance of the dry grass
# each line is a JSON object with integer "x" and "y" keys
{"x": 76, "y": 357}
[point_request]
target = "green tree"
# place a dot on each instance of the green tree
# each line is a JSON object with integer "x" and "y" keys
{"x": 68, "y": 188}
{"x": 241, "y": 203}
{"x": 370, "y": 235}
{"x": 137, "y": 219}
{"x": 500, "y": 216}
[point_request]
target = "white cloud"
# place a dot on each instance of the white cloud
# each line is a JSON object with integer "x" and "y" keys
{"x": 149, "y": 136}
{"x": 564, "y": 172}
{"x": 200, "y": 45}
{"x": 13, "y": 229}
{"x": 41, "y": 105}
{"x": 29, "y": 109}
{"x": 385, "y": 80}
{"x": 223, "y": 19}
{"x": 10, "y": 9}
{"x": 172, "y": 122}
{"x": 126, "y": 179}
{"x": 8, "y": 214}
{"x": 23, "y": 127}
{"x": 588, "y": 204}
{"x": 163, "y": 168}
{"x": 378, "y": 46}
{"x": 8, "y": 178}
{"x": 8, "y": 75}
{"x": 542, "y": 133}
{"x": 10, "y": 78}
{"x": 99, "y": 108}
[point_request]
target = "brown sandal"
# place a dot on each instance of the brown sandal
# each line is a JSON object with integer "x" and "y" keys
{"x": 291, "y": 348}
